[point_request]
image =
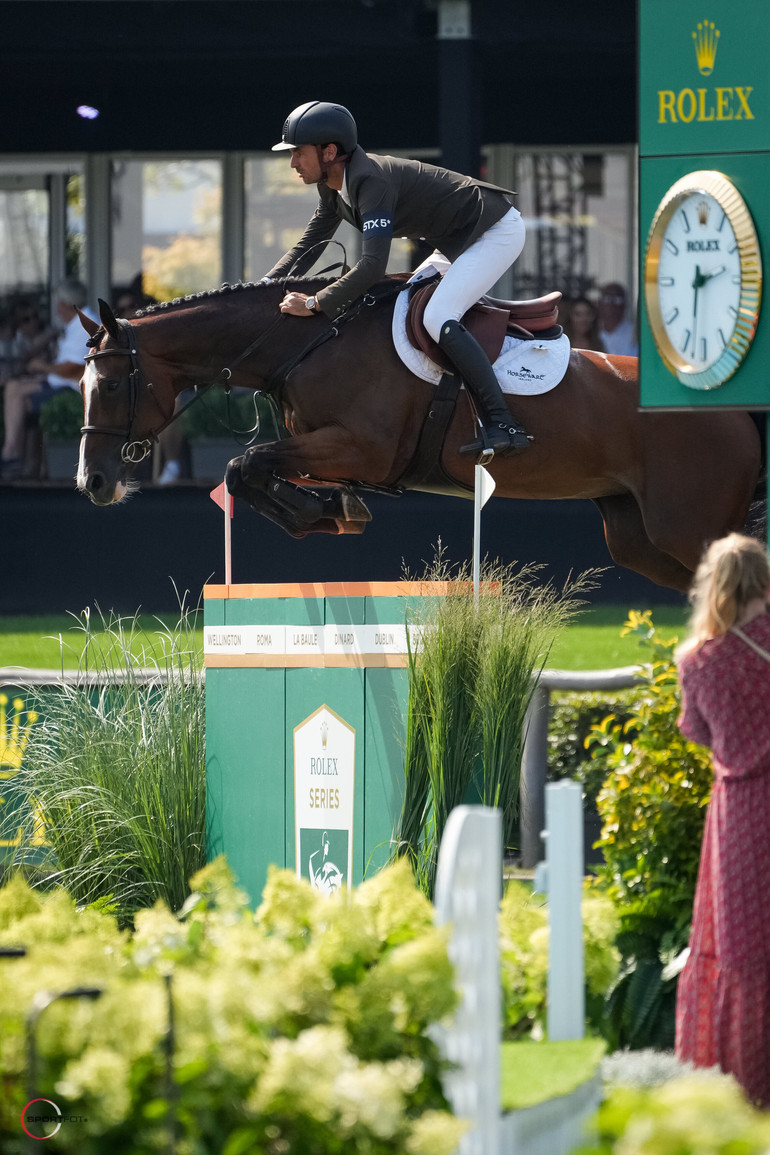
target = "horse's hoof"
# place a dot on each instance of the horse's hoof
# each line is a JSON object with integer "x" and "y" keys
{"x": 354, "y": 509}
{"x": 233, "y": 475}
{"x": 349, "y": 527}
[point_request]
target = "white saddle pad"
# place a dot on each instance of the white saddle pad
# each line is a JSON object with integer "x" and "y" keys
{"x": 523, "y": 367}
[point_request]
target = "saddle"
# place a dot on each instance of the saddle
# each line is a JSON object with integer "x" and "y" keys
{"x": 490, "y": 321}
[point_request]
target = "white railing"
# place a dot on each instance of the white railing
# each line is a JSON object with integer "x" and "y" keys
{"x": 534, "y": 762}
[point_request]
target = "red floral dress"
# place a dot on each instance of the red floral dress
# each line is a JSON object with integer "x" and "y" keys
{"x": 723, "y": 999}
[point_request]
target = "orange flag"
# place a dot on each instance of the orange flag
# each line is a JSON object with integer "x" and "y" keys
{"x": 218, "y": 495}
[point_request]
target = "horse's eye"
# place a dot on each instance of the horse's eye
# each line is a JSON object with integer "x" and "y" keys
{"x": 110, "y": 385}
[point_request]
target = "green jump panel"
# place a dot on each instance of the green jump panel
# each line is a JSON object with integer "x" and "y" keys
{"x": 306, "y": 701}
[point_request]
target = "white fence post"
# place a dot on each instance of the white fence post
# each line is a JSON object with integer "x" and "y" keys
{"x": 468, "y": 891}
{"x": 564, "y": 859}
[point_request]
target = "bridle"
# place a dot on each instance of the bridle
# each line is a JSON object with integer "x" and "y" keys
{"x": 131, "y": 452}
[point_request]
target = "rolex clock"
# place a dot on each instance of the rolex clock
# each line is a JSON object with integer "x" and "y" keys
{"x": 703, "y": 279}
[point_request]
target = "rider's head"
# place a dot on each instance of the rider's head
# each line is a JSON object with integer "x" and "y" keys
{"x": 320, "y": 124}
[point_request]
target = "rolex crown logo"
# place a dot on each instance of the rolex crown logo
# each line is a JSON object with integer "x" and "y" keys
{"x": 15, "y": 726}
{"x": 324, "y": 734}
{"x": 706, "y": 38}
{"x": 703, "y": 213}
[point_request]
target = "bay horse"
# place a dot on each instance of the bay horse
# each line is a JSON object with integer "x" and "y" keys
{"x": 665, "y": 483}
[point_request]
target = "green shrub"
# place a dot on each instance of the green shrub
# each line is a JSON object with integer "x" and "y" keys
{"x": 61, "y": 417}
{"x": 115, "y": 765}
{"x": 524, "y": 957}
{"x": 301, "y": 1030}
{"x": 697, "y": 1114}
{"x": 572, "y": 718}
{"x": 242, "y": 414}
{"x": 653, "y": 807}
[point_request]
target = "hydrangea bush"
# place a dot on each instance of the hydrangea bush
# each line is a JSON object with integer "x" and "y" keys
{"x": 302, "y": 1028}
{"x": 524, "y": 957}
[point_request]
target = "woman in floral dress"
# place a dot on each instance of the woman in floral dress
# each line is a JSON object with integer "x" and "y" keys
{"x": 723, "y": 1001}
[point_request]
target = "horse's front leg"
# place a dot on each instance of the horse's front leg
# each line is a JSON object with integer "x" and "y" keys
{"x": 257, "y": 478}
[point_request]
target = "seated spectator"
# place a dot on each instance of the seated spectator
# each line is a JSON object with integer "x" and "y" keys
{"x": 26, "y": 393}
{"x": 31, "y": 337}
{"x": 616, "y": 330}
{"x": 581, "y": 324}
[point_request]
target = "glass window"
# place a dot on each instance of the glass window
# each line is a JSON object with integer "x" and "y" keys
{"x": 75, "y": 241}
{"x": 279, "y": 205}
{"x": 167, "y": 226}
{"x": 24, "y": 224}
{"x": 579, "y": 213}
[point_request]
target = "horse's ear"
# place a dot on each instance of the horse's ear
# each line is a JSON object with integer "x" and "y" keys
{"x": 90, "y": 326}
{"x": 108, "y": 319}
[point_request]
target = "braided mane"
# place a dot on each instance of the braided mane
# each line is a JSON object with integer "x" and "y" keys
{"x": 226, "y": 289}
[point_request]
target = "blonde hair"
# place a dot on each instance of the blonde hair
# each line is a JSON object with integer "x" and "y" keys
{"x": 733, "y": 571}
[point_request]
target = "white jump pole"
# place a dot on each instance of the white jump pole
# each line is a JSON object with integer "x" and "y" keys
{"x": 483, "y": 488}
{"x": 228, "y": 535}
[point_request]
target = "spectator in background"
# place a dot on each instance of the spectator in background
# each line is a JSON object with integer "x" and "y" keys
{"x": 26, "y": 393}
{"x": 616, "y": 331}
{"x": 581, "y": 324}
{"x": 31, "y": 337}
{"x": 723, "y": 998}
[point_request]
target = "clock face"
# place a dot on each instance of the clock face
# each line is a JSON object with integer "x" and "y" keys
{"x": 703, "y": 279}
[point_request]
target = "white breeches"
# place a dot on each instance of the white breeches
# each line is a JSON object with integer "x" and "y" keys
{"x": 474, "y": 272}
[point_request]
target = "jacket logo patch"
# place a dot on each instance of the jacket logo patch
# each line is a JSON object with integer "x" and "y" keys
{"x": 378, "y": 225}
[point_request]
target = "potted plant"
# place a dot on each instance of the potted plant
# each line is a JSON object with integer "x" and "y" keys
{"x": 61, "y": 419}
{"x": 219, "y": 425}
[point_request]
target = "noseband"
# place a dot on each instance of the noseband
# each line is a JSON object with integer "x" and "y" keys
{"x": 131, "y": 452}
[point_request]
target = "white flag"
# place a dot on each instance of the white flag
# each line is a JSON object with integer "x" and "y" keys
{"x": 485, "y": 485}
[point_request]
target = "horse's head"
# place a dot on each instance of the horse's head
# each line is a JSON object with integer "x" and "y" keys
{"x": 122, "y": 413}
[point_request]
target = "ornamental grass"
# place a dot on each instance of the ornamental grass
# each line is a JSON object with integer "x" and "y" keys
{"x": 115, "y": 769}
{"x": 472, "y": 675}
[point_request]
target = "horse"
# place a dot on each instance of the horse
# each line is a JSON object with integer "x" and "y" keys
{"x": 665, "y": 483}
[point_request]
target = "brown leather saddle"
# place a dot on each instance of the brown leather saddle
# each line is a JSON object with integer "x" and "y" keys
{"x": 489, "y": 320}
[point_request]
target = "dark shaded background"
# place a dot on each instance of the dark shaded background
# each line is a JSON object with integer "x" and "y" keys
{"x": 60, "y": 553}
{"x": 197, "y": 74}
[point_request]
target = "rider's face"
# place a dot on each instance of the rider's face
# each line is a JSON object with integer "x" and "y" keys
{"x": 304, "y": 160}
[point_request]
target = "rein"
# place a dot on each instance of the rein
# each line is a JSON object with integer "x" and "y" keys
{"x": 134, "y": 451}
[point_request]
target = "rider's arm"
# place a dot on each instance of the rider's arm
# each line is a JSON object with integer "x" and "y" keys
{"x": 376, "y": 203}
{"x": 321, "y": 227}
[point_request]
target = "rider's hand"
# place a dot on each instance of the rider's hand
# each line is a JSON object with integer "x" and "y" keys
{"x": 294, "y": 303}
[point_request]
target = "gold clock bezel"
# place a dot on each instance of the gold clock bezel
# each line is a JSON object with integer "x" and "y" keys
{"x": 724, "y": 192}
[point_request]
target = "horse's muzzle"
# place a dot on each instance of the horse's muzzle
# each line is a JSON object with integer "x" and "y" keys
{"x": 100, "y": 489}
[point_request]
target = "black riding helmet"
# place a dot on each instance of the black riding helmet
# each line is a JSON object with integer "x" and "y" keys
{"x": 319, "y": 123}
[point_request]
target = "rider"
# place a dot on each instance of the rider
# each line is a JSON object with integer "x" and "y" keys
{"x": 471, "y": 223}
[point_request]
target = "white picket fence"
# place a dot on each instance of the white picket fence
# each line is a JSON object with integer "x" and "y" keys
{"x": 468, "y": 890}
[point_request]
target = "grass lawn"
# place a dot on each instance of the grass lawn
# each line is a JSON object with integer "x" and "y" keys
{"x": 56, "y": 642}
{"x": 532, "y": 1072}
{"x": 592, "y": 643}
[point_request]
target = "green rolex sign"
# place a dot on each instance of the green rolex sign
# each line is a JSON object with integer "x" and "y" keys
{"x": 703, "y": 77}
{"x": 704, "y": 203}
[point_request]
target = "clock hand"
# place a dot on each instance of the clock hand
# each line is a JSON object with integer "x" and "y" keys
{"x": 716, "y": 273}
{"x": 697, "y": 283}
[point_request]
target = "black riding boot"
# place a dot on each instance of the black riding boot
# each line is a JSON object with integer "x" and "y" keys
{"x": 501, "y": 432}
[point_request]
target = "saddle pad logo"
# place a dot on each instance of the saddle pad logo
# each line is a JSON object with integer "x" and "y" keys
{"x": 523, "y": 373}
